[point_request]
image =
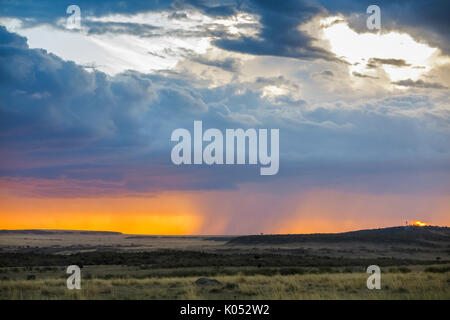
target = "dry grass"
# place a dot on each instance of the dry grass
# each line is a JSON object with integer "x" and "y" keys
{"x": 416, "y": 285}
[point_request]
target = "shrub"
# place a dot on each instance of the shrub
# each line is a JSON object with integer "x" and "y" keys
{"x": 404, "y": 269}
{"x": 289, "y": 271}
{"x": 347, "y": 270}
{"x": 438, "y": 269}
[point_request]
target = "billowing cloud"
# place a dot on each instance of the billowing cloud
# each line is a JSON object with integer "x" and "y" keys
{"x": 47, "y": 11}
{"x": 59, "y": 120}
{"x": 279, "y": 34}
{"x": 371, "y": 129}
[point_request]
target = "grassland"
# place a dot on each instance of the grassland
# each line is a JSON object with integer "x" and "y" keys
{"x": 415, "y": 264}
{"x": 414, "y": 285}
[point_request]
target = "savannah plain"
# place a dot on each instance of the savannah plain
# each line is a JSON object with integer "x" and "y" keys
{"x": 414, "y": 262}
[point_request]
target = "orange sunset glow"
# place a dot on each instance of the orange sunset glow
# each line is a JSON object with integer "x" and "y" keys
{"x": 420, "y": 224}
{"x": 217, "y": 212}
{"x": 163, "y": 214}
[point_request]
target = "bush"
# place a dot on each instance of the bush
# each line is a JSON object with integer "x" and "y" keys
{"x": 404, "y": 269}
{"x": 438, "y": 269}
{"x": 326, "y": 270}
{"x": 289, "y": 271}
{"x": 230, "y": 286}
{"x": 347, "y": 270}
{"x": 400, "y": 270}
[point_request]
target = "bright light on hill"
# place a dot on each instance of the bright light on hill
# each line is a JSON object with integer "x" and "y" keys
{"x": 420, "y": 224}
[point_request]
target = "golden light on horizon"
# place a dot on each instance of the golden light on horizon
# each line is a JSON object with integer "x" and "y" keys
{"x": 245, "y": 211}
{"x": 162, "y": 214}
{"x": 420, "y": 224}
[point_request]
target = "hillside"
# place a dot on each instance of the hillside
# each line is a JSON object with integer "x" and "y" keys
{"x": 410, "y": 234}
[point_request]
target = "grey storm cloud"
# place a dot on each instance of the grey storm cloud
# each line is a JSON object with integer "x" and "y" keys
{"x": 48, "y": 11}
{"x": 58, "y": 120}
{"x": 138, "y": 29}
{"x": 360, "y": 75}
{"x": 142, "y": 30}
{"x": 392, "y": 62}
{"x": 279, "y": 34}
{"x": 419, "y": 84}
{"x": 327, "y": 73}
{"x": 227, "y": 64}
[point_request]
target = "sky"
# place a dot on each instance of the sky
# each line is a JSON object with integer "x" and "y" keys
{"x": 86, "y": 114}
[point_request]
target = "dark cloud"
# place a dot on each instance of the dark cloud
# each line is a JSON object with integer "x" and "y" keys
{"x": 425, "y": 20}
{"x": 279, "y": 34}
{"x": 138, "y": 29}
{"x": 178, "y": 15}
{"x": 212, "y": 8}
{"x": 280, "y": 80}
{"x": 392, "y": 62}
{"x": 327, "y": 73}
{"x": 419, "y": 84}
{"x": 48, "y": 11}
{"x": 214, "y": 30}
{"x": 360, "y": 75}
{"x": 59, "y": 121}
{"x": 227, "y": 64}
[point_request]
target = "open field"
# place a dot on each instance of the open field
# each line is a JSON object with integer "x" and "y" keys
{"x": 430, "y": 243}
{"x": 414, "y": 262}
{"x": 65, "y": 242}
{"x": 414, "y": 285}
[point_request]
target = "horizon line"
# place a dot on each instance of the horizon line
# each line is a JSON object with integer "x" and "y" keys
{"x": 212, "y": 235}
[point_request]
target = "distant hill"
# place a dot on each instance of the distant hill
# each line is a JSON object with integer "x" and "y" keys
{"x": 43, "y": 232}
{"x": 210, "y": 238}
{"x": 427, "y": 235}
{"x": 409, "y": 234}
